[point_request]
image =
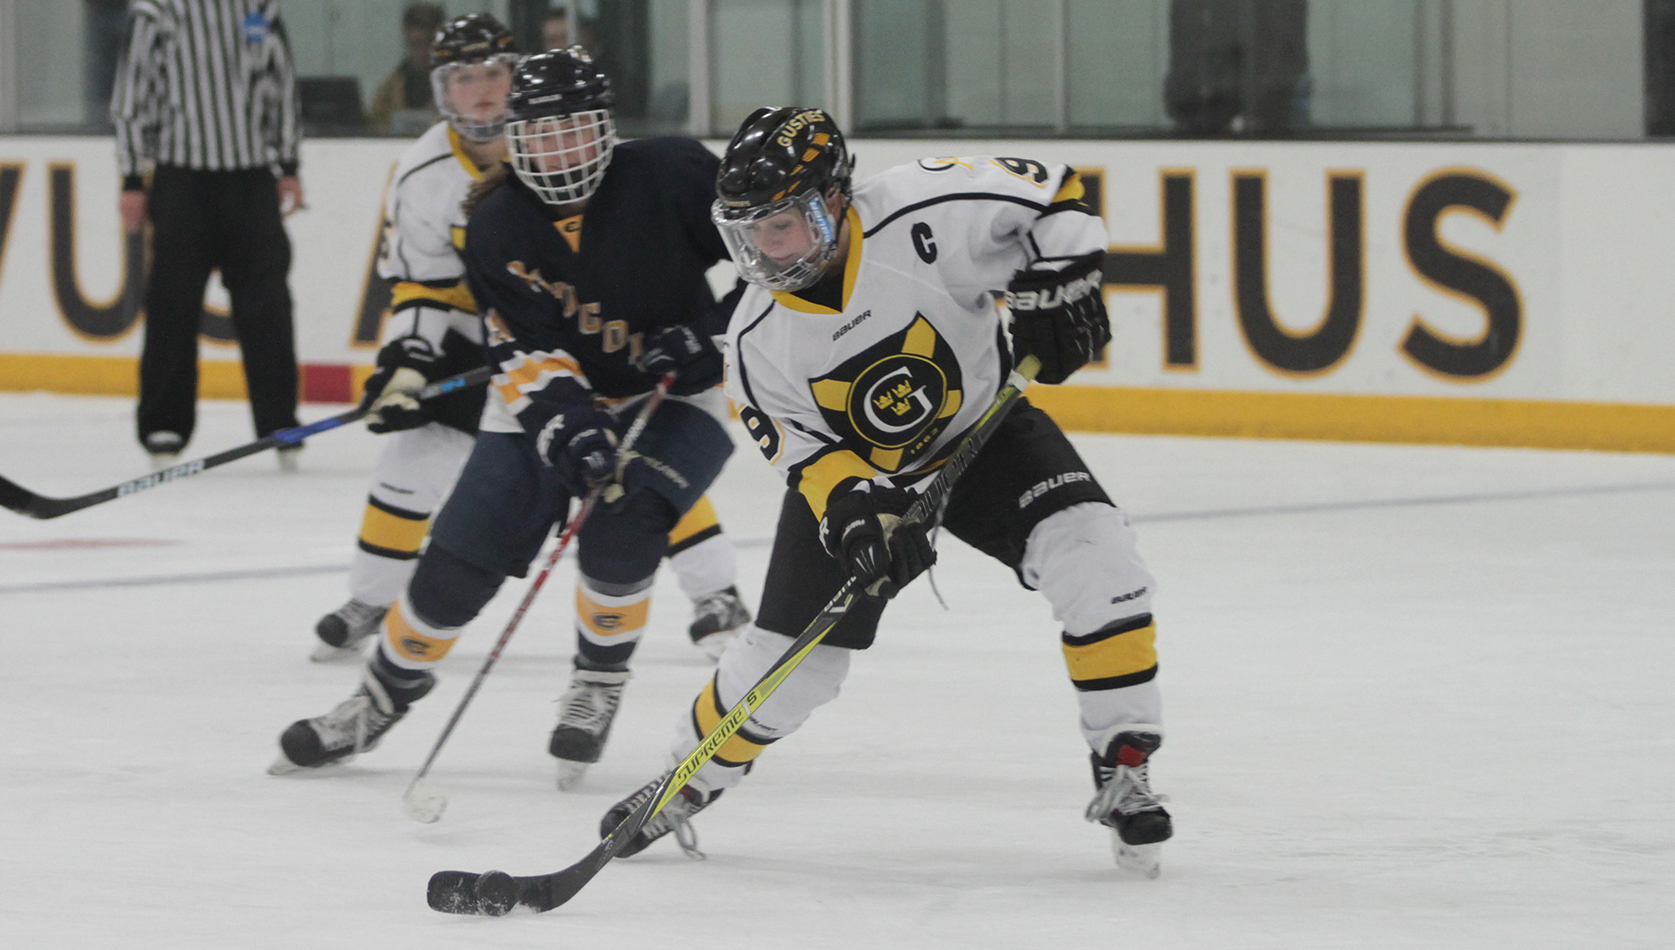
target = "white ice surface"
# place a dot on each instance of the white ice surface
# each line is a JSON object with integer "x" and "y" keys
{"x": 1416, "y": 698}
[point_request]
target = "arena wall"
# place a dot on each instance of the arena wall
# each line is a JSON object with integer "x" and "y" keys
{"x": 1484, "y": 294}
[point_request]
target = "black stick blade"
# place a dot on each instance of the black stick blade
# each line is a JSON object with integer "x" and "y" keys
{"x": 547, "y": 891}
{"x": 494, "y": 893}
{"x": 17, "y": 498}
{"x": 490, "y": 894}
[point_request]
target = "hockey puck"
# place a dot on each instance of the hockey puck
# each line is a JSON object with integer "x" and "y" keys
{"x": 497, "y": 893}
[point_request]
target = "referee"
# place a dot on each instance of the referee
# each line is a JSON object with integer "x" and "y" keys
{"x": 206, "y": 95}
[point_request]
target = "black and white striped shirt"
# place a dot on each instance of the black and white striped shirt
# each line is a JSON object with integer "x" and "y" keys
{"x": 205, "y": 84}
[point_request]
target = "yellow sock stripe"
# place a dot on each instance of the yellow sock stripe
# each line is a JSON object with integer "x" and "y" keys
{"x": 700, "y": 517}
{"x": 737, "y": 750}
{"x": 612, "y": 616}
{"x": 752, "y": 700}
{"x": 1121, "y": 653}
{"x": 393, "y": 532}
{"x": 409, "y": 643}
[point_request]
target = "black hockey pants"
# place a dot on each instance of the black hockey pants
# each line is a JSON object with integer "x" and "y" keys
{"x": 203, "y": 220}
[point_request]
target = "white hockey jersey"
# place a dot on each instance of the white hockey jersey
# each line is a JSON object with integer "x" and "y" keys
{"x": 888, "y": 383}
{"x": 424, "y": 228}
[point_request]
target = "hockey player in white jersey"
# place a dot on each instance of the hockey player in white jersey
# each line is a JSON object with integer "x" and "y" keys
{"x": 433, "y": 331}
{"x": 868, "y": 345}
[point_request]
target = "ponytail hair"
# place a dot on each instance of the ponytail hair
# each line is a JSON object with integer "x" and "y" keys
{"x": 483, "y": 187}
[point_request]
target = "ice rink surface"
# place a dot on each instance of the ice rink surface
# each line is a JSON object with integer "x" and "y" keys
{"x": 1416, "y": 698}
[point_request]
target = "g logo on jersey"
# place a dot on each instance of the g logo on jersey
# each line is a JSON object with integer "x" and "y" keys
{"x": 896, "y": 397}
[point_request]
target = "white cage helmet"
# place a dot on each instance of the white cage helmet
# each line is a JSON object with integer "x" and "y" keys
{"x": 560, "y": 132}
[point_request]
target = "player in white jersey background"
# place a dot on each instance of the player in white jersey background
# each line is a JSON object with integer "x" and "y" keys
{"x": 868, "y": 344}
{"x": 433, "y": 331}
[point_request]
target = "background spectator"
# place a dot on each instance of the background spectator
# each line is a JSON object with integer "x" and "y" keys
{"x": 403, "y": 103}
{"x": 1237, "y": 66}
{"x": 556, "y": 32}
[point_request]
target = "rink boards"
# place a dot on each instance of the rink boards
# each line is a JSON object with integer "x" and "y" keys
{"x": 1489, "y": 294}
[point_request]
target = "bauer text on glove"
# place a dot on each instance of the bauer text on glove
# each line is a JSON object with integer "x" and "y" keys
{"x": 1059, "y": 316}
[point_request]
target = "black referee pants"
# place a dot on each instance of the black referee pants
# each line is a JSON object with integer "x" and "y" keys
{"x": 200, "y": 221}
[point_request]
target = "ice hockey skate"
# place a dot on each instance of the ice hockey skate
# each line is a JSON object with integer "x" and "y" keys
{"x": 290, "y": 458}
{"x": 674, "y": 817}
{"x": 1125, "y": 802}
{"x": 585, "y": 714}
{"x": 164, "y": 449}
{"x": 342, "y": 631}
{"x": 717, "y": 619}
{"x": 352, "y": 727}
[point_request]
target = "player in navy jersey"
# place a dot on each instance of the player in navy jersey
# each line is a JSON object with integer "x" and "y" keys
{"x": 587, "y": 262}
{"x": 433, "y": 331}
{"x": 866, "y": 349}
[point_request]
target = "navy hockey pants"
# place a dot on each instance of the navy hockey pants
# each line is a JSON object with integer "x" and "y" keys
{"x": 507, "y": 502}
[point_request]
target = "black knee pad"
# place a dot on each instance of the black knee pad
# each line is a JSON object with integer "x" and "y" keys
{"x": 449, "y": 591}
{"x": 621, "y": 543}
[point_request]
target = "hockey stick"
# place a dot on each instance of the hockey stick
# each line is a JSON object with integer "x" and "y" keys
{"x": 424, "y": 801}
{"x": 494, "y": 893}
{"x": 25, "y": 502}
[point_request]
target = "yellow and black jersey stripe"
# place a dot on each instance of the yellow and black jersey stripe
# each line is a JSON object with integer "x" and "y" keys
{"x": 1072, "y": 196}
{"x": 438, "y": 294}
{"x": 816, "y": 477}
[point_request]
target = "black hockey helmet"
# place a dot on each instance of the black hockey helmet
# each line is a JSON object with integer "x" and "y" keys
{"x": 771, "y": 195}
{"x": 478, "y": 52}
{"x": 469, "y": 39}
{"x": 559, "y": 82}
{"x": 560, "y": 132}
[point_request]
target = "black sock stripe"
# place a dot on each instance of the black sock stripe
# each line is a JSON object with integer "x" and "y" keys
{"x": 390, "y": 509}
{"x": 712, "y": 531}
{"x": 1116, "y": 682}
{"x": 1108, "y": 631}
{"x": 390, "y": 553}
{"x": 611, "y": 656}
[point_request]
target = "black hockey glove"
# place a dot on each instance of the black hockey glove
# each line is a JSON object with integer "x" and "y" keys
{"x": 690, "y": 355}
{"x": 1059, "y": 316}
{"x": 863, "y": 529}
{"x": 404, "y": 364}
{"x": 580, "y": 445}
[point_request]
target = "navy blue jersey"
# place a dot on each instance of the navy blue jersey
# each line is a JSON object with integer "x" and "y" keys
{"x": 569, "y": 301}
